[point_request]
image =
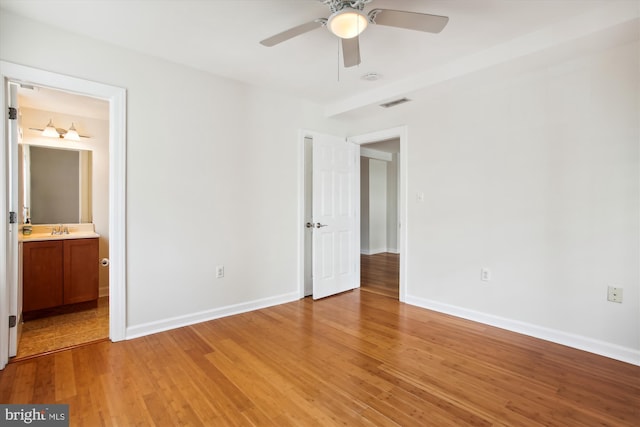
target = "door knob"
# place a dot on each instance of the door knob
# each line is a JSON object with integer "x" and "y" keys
{"x": 318, "y": 225}
{"x": 309, "y": 225}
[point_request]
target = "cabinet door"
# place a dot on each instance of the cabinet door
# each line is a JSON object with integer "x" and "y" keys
{"x": 42, "y": 275}
{"x": 80, "y": 270}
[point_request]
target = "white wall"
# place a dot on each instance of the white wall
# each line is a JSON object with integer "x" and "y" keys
{"x": 536, "y": 176}
{"x": 377, "y": 206}
{"x": 378, "y": 203}
{"x": 392, "y": 204}
{"x": 364, "y": 205}
{"x": 211, "y": 176}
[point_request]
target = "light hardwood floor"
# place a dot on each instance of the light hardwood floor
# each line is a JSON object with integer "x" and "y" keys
{"x": 354, "y": 359}
{"x": 380, "y": 273}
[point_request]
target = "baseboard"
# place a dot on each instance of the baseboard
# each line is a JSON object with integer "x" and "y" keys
{"x": 378, "y": 251}
{"x": 203, "y": 316}
{"x": 103, "y": 292}
{"x": 579, "y": 342}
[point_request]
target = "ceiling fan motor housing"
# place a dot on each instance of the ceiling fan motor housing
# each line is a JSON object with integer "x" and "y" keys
{"x": 338, "y": 5}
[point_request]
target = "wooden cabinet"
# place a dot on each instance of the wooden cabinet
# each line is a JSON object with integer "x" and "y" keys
{"x": 42, "y": 275}
{"x": 59, "y": 272}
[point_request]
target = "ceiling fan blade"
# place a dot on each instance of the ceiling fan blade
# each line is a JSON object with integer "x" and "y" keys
{"x": 293, "y": 32}
{"x": 351, "y": 51}
{"x": 409, "y": 20}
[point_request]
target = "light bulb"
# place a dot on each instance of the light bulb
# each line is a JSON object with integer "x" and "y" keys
{"x": 347, "y": 23}
{"x": 72, "y": 134}
{"x": 50, "y": 130}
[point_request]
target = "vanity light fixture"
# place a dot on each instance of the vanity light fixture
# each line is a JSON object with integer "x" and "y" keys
{"x": 72, "y": 133}
{"x": 53, "y": 132}
{"x": 50, "y": 130}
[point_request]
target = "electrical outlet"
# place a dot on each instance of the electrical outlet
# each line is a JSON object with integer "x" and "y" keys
{"x": 219, "y": 271}
{"x": 485, "y": 274}
{"x": 614, "y": 294}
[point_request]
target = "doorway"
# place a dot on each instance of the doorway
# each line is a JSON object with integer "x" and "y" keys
{"x": 64, "y": 181}
{"x": 379, "y": 217}
{"x": 397, "y": 133}
{"x": 116, "y": 97}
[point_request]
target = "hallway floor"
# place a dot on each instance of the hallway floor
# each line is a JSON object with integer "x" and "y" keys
{"x": 53, "y": 333}
{"x": 380, "y": 274}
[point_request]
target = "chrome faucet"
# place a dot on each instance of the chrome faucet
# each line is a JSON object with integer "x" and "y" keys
{"x": 59, "y": 229}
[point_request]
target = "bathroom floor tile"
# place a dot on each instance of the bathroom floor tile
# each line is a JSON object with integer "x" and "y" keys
{"x": 60, "y": 331}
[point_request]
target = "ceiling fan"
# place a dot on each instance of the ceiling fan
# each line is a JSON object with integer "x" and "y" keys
{"x": 347, "y": 21}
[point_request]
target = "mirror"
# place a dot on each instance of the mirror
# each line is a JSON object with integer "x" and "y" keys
{"x": 55, "y": 185}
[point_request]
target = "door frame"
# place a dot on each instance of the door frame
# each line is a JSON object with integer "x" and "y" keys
{"x": 116, "y": 97}
{"x": 400, "y": 132}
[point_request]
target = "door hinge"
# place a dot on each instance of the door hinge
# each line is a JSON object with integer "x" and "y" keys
{"x": 13, "y": 321}
{"x": 13, "y": 113}
{"x": 13, "y": 218}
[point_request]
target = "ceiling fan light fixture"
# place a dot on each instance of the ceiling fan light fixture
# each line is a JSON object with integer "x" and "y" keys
{"x": 72, "y": 133}
{"x": 347, "y": 23}
{"x": 50, "y": 130}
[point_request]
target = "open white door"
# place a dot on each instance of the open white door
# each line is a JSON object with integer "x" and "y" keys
{"x": 335, "y": 208}
{"x": 15, "y": 297}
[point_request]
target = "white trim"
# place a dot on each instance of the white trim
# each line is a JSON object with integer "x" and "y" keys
{"x": 376, "y": 154}
{"x": 379, "y": 251}
{"x": 117, "y": 214}
{"x": 579, "y": 342}
{"x": 4, "y": 231}
{"x": 117, "y": 187}
{"x": 402, "y": 133}
{"x": 301, "y": 213}
{"x": 204, "y": 316}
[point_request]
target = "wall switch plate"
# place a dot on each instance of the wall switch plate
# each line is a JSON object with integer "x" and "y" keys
{"x": 485, "y": 274}
{"x": 219, "y": 271}
{"x": 614, "y": 294}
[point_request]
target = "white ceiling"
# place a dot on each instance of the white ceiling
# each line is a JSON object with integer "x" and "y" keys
{"x": 222, "y": 37}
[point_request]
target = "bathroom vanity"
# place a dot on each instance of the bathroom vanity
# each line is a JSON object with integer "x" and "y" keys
{"x": 58, "y": 269}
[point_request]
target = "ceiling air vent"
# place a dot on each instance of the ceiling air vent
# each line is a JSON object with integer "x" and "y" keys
{"x": 394, "y": 103}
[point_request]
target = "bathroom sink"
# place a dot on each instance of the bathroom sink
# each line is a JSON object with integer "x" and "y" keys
{"x": 43, "y": 233}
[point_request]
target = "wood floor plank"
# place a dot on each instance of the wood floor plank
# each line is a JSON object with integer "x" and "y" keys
{"x": 65, "y": 386}
{"x": 44, "y": 379}
{"x": 360, "y": 358}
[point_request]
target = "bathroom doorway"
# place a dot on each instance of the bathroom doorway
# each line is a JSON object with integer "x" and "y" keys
{"x": 42, "y": 160}
{"x": 15, "y": 74}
